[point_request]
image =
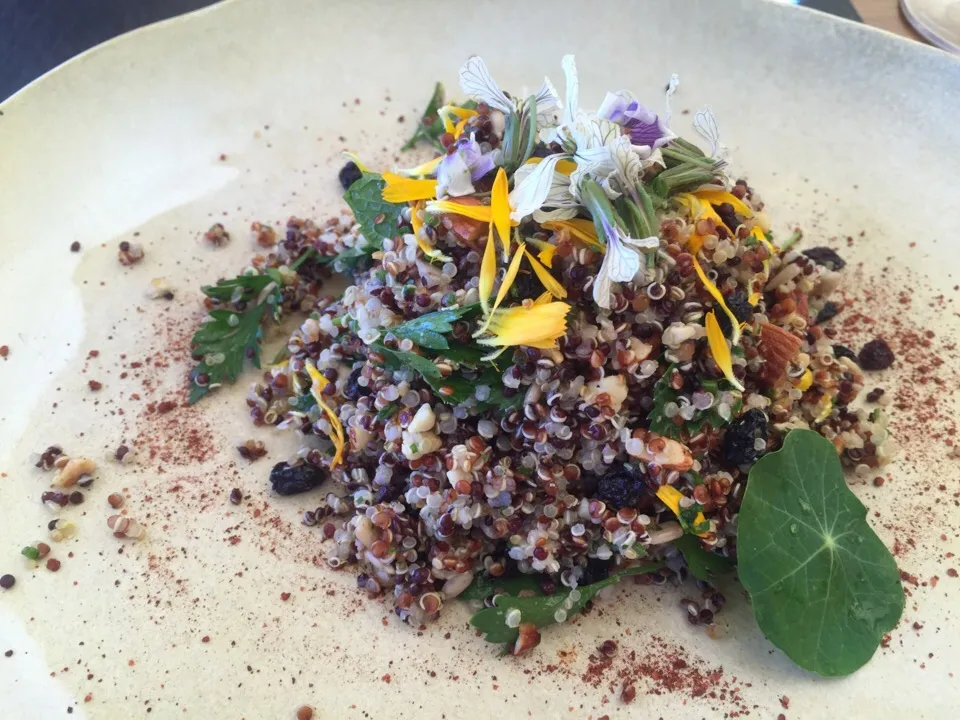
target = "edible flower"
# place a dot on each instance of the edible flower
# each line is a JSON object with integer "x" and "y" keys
{"x": 671, "y": 497}
{"x": 720, "y": 350}
{"x": 718, "y": 296}
{"x": 621, "y": 260}
{"x": 399, "y": 189}
{"x": 643, "y": 126}
{"x": 448, "y": 112}
{"x": 552, "y": 285}
{"x": 459, "y": 169}
{"x": 497, "y": 212}
{"x": 319, "y": 382}
{"x": 423, "y": 170}
{"x": 583, "y": 230}
{"x": 416, "y": 221}
{"x": 530, "y": 324}
{"x": 488, "y": 270}
{"x": 475, "y": 80}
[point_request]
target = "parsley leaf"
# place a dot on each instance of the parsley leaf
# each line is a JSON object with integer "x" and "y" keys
{"x": 702, "y": 565}
{"x": 427, "y": 330}
{"x": 398, "y": 360}
{"x": 429, "y": 127}
{"x": 378, "y": 219}
{"x": 228, "y": 338}
{"x": 663, "y": 394}
{"x": 484, "y": 586}
{"x": 351, "y": 258}
{"x": 541, "y": 610}
{"x": 823, "y": 586}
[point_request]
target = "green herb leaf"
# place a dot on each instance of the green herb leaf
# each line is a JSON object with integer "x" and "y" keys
{"x": 541, "y": 610}
{"x": 430, "y": 127}
{"x": 378, "y": 218}
{"x": 351, "y": 258}
{"x": 663, "y": 394}
{"x": 31, "y": 552}
{"x": 398, "y": 359}
{"x": 428, "y": 330}
{"x": 824, "y": 588}
{"x": 484, "y": 586}
{"x": 702, "y": 565}
{"x": 229, "y": 336}
{"x": 388, "y": 411}
{"x": 470, "y": 355}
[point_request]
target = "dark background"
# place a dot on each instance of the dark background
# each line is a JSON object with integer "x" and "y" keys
{"x": 38, "y": 35}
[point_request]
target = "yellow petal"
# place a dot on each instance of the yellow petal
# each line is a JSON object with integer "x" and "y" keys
{"x": 427, "y": 168}
{"x": 583, "y": 230}
{"x": 356, "y": 161}
{"x": 564, "y": 167}
{"x": 547, "y": 251}
{"x": 400, "y": 189}
{"x": 474, "y": 212}
{"x": 757, "y": 232}
{"x": 457, "y": 112}
{"x": 804, "y": 382}
{"x": 717, "y": 197}
{"x": 720, "y": 350}
{"x": 671, "y": 497}
{"x": 552, "y": 285}
{"x": 754, "y": 299}
{"x": 319, "y": 382}
{"x": 500, "y": 208}
{"x": 448, "y": 125}
{"x": 432, "y": 252}
{"x": 458, "y": 130}
{"x": 511, "y": 275}
{"x": 712, "y": 289}
{"x": 488, "y": 272}
{"x": 544, "y": 298}
{"x": 534, "y": 326}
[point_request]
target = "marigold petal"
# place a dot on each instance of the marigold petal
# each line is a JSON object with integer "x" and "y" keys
{"x": 500, "y": 208}
{"x": 427, "y": 168}
{"x": 547, "y": 251}
{"x": 511, "y": 275}
{"x": 356, "y": 161}
{"x": 474, "y": 212}
{"x": 488, "y": 272}
{"x": 717, "y": 197}
{"x": 671, "y": 497}
{"x": 319, "y": 382}
{"x": 564, "y": 167}
{"x": 718, "y": 296}
{"x": 400, "y": 189}
{"x": 720, "y": 350}
{"x": 758, "y": 233}
{"x": 534, "y": 325}
{"x": 552, "y": 285}
{"x": 458, "y": 130}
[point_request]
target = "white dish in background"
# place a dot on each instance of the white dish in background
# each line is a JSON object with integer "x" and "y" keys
{"x": 843, "y": 130}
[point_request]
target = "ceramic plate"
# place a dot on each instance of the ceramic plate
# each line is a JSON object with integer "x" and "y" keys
{"x": 239, "y": 113}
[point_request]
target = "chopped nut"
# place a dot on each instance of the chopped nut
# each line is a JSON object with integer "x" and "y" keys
{"x": 529, "y": 638}
{"x": 72, "y": 470}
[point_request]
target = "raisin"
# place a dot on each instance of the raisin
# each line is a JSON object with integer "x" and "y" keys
{"x": 349, "y": 174}
{"x": 841, "y": 351}
{"x": 739, "y": 441}
{"x": 595, "y": 571}
{"x": 728, "y": 215}
{"x": 739, "y": 305}
{"x": 876, "y": 355}
{"x": 352, "y": 390}
{"x": 828, "y": 312}
{"x": 827, "y": 257}
{"x": 620, "y": 487}
{"x": 289, "y": 479}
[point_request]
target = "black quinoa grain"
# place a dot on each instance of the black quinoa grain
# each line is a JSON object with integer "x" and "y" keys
{"x": 7, "y": 581}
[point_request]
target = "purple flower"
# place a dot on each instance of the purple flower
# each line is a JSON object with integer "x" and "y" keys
{"x": 461, "y": 168}
{"x": 642, "y": 125}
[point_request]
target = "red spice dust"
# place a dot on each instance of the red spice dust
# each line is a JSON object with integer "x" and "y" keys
{"x": 386, "y": 678}
{"x": 285, "y": 596}
{"x": 952, "y": 572}
{"x": 94, "y": 385}
{"x": 785, "y": 702}
{"x": 205, "y": 639}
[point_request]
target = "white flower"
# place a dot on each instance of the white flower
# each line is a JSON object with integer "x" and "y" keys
{"x": 621, "y": 263}
{"x": 476, "y": 80}
{"x": 531, "y": 192}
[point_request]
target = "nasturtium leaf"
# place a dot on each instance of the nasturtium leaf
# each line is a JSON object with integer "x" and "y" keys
{"x": 824, "y": 588}
{"x": 378, "y": 219}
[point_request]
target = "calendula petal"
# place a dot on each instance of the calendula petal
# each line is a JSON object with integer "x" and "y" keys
{"x": 519, "y": 325}
{"x": 671, "y": 497}
{"x": 583, "y": 230}
{"x": 759, "y": 235}
{"x": 458, "y": 130}
{"x": 544, "y": 298}
{"x": 754, "y": 298}
{"x": 717, "y": 197}
{"x": 720, "y": 350}
{"x": 511, "y": 275}
{"x": 319, "y": 382}
{"x": 564, "y": 167}
{"x": 500, "y": 208}
{"x": 552, "y": 285}
{"x": 427, "y": 168}
{"x": 488, "y": 272}
{"x": 474, "y": 212}
{"x": 356, "y": 161}
{"x": 400, "y": 189}
{"x": 547, "y": 251}
{"x": 718, "y": 296}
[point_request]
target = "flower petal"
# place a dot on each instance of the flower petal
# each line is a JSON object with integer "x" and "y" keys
{"x": 500, "y": 208}
{"x": 583, "y": 230}
{"x": 422, "y": 170}
{"x": 715, "y": 196}
{"x": 547, "y": 251}
{"x": 623, "y": 261}
{"x": 475, "y": 80}
{"x": 720, "y": 350}
{"x": 511, "y": 275}
{"x": 532, "y": 191}
{"x": 671, "y": 497}
{"x": 564, "y": 167}
{"x": 319, "y": 382}
{"x": 536, "y": 326}
{"x": 572, "y": 106}
{"x": 400, "y": 189}
{"x": 488, "y": 272}
{"x": 718, "y": 296}
{"x": 757, "y": 232}
{"x": 474, "y": 212}
{"x": 453, "y": 176}
{"x": 548, "y": 280}
{"x": 356, "y": 161}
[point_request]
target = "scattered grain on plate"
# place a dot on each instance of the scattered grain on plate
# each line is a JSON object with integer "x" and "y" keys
{"x": 53, "y": 564}
{"x": 236, "y": 496}
{"x": 75, "y": 246}
{"x": 129, "y": 253}
{"x": 115, "y": 500}
{"x": 7, "y": 581}
{"x": 305, "y": 712}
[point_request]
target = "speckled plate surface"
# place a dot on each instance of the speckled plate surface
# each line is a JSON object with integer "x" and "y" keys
{"x": 239, "y": 113}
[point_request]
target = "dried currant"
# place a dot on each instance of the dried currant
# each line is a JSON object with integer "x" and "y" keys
{"x": 349, "y": 174}
{"x": 842, "y": 351}
{"x": 289, "y": 479}
{"x": 739, "y": 305}
{"x": 828, "y": 312}
{"x": 620, "y": 487}
{"x": 827, "y": 257}
{"x": 876, "y": 355}
{"x": 739, "y": 442}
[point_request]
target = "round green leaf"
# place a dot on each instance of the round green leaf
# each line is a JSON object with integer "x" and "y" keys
{"x": 824, "y": 587}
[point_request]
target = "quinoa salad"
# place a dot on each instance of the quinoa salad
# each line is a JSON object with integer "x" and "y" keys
{"x": 571, "y": 350}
